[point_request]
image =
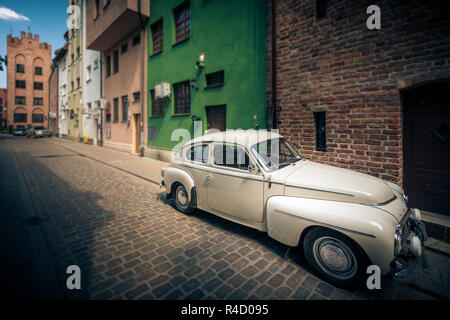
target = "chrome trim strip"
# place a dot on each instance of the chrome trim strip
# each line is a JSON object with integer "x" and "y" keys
{"x": 383, "y": 203}
{"x": 327, "y": 224}
{"x": 345, "y": 194}
{"x": 214, "y": 170}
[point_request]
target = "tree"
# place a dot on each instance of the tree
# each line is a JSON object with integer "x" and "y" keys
{"x": 2, "y": 61}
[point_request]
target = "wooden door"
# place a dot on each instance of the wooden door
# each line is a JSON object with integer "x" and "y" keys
{"x": 427, "y": 147}
{"x": 217, "y": 117}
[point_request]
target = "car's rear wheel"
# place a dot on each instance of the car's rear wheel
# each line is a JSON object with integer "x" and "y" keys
{"x": 181, "y": 198}
{"x": 335, "y": 257}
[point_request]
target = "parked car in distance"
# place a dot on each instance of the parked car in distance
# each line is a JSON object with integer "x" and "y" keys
{"x": 343, "y": 220}
{"x": 20, "y": 131}
{"x": 38, "y": 132}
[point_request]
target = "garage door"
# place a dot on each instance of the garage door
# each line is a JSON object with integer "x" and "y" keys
{"x": 427, "y": 147}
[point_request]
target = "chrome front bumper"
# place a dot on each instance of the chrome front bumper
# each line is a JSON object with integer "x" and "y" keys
{"x": 409, "y": 246}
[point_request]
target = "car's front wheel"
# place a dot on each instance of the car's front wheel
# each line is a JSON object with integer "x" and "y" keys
{"x": 181, "y": 198}
{"x": 335, "y": 257}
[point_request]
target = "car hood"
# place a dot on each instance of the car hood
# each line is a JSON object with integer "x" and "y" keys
{"x": 320, "y": 181}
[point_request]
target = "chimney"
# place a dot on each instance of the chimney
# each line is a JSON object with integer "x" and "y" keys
{"x": 36, "y": 37}
{"x": 22, "y": 35}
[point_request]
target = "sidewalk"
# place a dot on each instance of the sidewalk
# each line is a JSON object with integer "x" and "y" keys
{"x": 142, "y": 167}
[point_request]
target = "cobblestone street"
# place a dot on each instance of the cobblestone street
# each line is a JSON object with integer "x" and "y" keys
{"x": 131, "y": 244}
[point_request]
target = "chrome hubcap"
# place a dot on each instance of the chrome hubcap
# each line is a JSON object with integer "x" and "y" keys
{"x": 182, "y": 197}
{"x": 334, "y": 257}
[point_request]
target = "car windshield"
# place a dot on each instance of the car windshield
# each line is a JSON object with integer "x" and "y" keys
{"x": 275, "y": 153}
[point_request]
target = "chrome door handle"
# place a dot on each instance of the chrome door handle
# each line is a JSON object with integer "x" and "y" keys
{"x": 208, "y": 178}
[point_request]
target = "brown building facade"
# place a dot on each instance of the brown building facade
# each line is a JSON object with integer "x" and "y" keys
{"x": 28, "y": 73}
{"x": 372, "y": 100}
{"x": 53, "y": 100}
{"x": 3, "y": 107}
{"x": 118, "y": 30}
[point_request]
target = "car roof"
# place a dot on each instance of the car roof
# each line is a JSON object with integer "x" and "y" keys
{"x": 246, "y": 138}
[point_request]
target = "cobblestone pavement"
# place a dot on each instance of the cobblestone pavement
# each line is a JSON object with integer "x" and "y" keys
{"x": 130, "y": 244}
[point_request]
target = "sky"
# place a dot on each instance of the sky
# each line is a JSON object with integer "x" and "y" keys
{"x": 47, "y": 18}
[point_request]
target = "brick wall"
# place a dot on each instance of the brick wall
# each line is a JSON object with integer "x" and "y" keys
{"x": 355, "y": 75}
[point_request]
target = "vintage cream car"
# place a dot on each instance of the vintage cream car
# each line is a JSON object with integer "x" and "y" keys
{"x": 343, "y": 220}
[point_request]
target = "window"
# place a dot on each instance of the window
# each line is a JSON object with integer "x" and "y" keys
{"x": 157, "y": 105}
{"x": 136, "y": 40}
{"x": 78, "y": 51}
{"x": 38, "y": 71}
{"x": 37, "y": 118}
{"x": 231, "y": 156}
{"x": 78, "y": 82}
{"x": 321, "y": 9}
{"x": 215, "y": 79}
{"x": 97, "y": 9}
{"x": 21, "y": 84}
{"x": 72, "y": 85}
{"x": 182, "y": 22}
{"x": 108, "y": 115}
{"x": 89, "y": 105}
{"x": 38, "y": 86}
{"x": 124, "y": 108}
{"x": 198, "y": 153}
{"x": 124, "y": 48}
{"x": 38, "y": 101}
{"x": 108, "y": 66}
{"x": 20, "y": 117}
{"x": 319, "y": 118}
{"x": 21, "y": 100}
{"x": 88, "y": 73}
{"x": 116, "y": 62}
{"x": 20, "y": 68}
{"x": 73, "y": 57}
{"x": 137, "y": 96}
{"x": 157, "y": 37}
{"x": 182, "y": 97}
{"x": 116, "y": 109}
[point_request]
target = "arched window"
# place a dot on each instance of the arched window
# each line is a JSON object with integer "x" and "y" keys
{"x": 20, "y": 115}
{"x": 37, "y": 116}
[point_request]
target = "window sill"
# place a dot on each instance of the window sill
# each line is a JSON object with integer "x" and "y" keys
{"x": 180, "y": 115}
{"x": 155, "y": 54}
{"x": 180, "y": 41}
{"x": 214, "y": 86}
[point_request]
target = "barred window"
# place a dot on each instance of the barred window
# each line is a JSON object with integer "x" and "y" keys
{"x": 182, "y": 92}
{"x": 157, "y": 37}
{"x": 38, "y": 71}
{"x": 319, "y": 118}
{"x": 157, "y": 105}
{"x": 37, "y": 118}
{"x": 182, "y": 22}
{"x": 38, "y": 86}
{"x": 21, "y": 84}
{"x": 124, "y": 108}
{"x": 38, "y": 101}
{"x": 20, "y": 68}
{"x": 21, "y": 100}
{"x": 20, "y": 117}
{"x": 116, "y": 109}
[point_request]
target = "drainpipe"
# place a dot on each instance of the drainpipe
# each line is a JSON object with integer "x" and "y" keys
{"x": 100, "y": 143}
{"x": 274, "y": 66}
{"x": 143, "y": 90}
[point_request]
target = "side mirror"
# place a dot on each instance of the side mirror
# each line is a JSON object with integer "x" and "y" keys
{"x": 253, "y": 168}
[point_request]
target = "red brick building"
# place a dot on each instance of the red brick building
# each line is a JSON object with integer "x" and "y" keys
{"x": 3, "y": 106}
{"x": 376, "y": 101}
{"x": 53, "y": 99}
{"x": 27, "y": 80}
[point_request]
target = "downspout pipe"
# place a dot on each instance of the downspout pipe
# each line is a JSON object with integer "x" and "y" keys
{"x": 101, "y": 101}
{"x": 274, "y": 66}
{"x": 143, "y": 90}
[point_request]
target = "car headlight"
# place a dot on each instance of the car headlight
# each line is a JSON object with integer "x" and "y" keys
{"x": 416, "y": 216}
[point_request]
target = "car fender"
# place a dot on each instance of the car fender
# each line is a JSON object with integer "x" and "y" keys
{"x": 173, "y": 175}
{"x": 372, "y": 229}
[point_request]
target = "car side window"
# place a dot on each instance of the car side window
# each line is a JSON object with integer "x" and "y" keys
{"x": 198, "y": 153}
{"x": 231, "y": 157}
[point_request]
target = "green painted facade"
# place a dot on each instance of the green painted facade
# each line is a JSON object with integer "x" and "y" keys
{"x": 231, "y": 34}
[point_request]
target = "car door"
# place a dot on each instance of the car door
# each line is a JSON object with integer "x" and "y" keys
{"x": 231, "y": 187}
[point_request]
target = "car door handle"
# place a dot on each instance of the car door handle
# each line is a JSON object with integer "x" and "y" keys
{"x": 208, "y": 178}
